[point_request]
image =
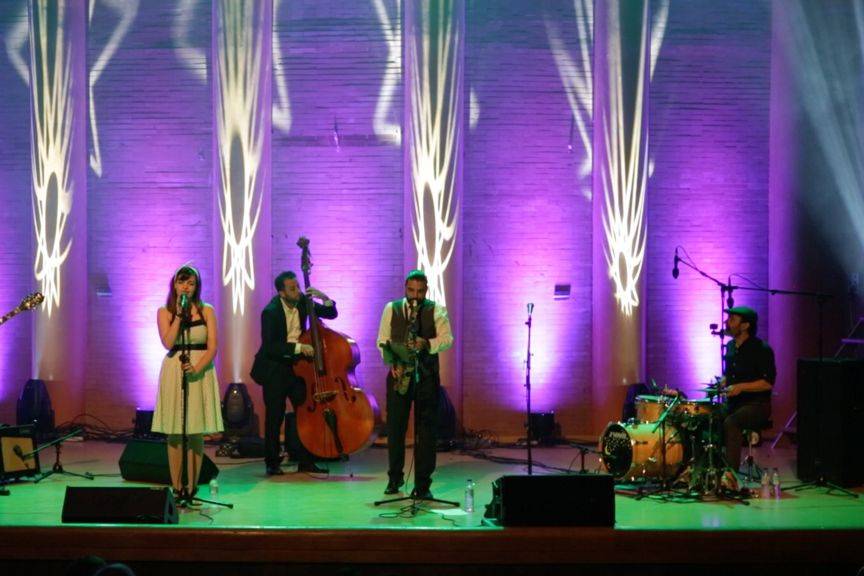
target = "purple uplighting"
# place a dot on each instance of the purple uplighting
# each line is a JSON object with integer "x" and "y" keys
{"x": 337, "y": 174}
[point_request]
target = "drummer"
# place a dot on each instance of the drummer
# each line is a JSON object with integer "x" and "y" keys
{"x": 748, "y": 380}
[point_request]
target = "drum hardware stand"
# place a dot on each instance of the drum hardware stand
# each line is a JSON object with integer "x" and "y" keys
{"x": 583, "y": 450}
{"x": 661, "y": 423}
{"x": 58, "y": 466}
{"x": 714, "y": 486}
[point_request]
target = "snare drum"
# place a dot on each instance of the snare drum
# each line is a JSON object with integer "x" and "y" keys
{"x": 701, "y": 407}
{"x": 649, "y": 408}
{"x": 633, "y": 451}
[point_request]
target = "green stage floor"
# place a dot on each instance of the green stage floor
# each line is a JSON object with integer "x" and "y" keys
{"x": 344, "y": 498}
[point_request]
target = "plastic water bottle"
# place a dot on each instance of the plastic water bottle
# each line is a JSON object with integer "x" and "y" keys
{"x": 469, "y": 496}
{"x": 775, "y": 482}
{"x": 214, "y": 489}
{"x": 766, "y": 484}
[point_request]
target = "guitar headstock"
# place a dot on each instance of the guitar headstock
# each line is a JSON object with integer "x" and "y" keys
{"x": 31, "y": 301}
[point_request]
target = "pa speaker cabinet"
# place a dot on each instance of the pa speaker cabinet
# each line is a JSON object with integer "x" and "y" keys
{"x": 16, "y": 445}
{"x": 147, "y": 461}
{"x": 830, "y": 420}
{"x": 554, "y": 500}
{"x": 85, "y": 504}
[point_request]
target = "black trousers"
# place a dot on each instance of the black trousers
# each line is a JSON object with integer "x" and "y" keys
{"x": 275, "y": 395}
{"x": 745, "y": 417}
{"x": 424, "y": 395}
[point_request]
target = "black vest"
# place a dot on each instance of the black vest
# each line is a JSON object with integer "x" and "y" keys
{"x": 425, "y": 329}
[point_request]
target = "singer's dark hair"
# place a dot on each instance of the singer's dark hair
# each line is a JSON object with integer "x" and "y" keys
{"x": 183, "y": 274}
{"x": 280, "y": 279}
{"x": 417, "y": 275}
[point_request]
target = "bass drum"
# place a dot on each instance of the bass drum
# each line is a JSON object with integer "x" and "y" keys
{"x": 633, "y": 450}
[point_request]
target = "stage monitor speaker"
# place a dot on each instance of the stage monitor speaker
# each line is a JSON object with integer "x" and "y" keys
{"x": 147, "y": 461}
{"x": 15, "y": 443}
{"x": 830, "y": 420}
{"x": 553, "y": 500}
{"x": 85, "y": 504}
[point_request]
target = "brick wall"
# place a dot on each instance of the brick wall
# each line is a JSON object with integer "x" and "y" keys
{"x": 16, "y": 215}
{"x": 526, "y": 217}
{"x": 709, "y": 109}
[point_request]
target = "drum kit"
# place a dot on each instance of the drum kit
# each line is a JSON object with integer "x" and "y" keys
{"x": 672, "y": 442}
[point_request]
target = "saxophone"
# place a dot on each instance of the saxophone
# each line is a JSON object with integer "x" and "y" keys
{"x": 411, "y": 365}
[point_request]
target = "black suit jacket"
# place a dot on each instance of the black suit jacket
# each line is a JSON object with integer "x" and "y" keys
{"x": 276, "y": 357}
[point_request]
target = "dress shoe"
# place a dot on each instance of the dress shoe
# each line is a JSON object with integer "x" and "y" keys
{"x": 418, "y": 494}
{"x": 393, "y": 486}
{"x": 311, "y": 467}
{"x": 274, "y": 471}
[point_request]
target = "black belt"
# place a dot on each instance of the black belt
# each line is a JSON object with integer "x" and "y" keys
{"x": 176, "y": 348}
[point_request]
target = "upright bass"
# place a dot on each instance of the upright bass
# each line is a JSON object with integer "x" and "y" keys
{"x": 337, "y": 417}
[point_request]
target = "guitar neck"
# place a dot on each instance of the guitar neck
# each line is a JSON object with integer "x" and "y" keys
{"x": 14, "y": 312}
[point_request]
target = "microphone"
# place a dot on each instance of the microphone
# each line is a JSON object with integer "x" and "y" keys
{"x": 675, "y": 271}
{"x": 530, "y": 307}
{"x": 18, "y": 452}
{"x": 184, "y": 301}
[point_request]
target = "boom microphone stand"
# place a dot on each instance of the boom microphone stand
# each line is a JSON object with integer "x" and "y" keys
{"x": 728, "y": 301}
{"x": 58, "y": 466}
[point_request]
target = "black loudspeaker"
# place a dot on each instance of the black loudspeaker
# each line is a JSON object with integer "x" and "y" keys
{"x": 16, "y": 442}
{"x": 830, "y": 420}
{"x": 554, "y": 500}
{"x": 146, "y": 461}
{"x": 84, "y": 504}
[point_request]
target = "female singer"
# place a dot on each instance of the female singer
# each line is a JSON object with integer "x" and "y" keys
{"x": 187, "y": 323}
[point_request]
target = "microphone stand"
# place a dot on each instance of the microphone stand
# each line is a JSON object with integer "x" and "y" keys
{"x": 187, "y": 497}
{"x": 58, "y": 467}
{"x": 728, "y": 301}
{"x": 528, "y": 390}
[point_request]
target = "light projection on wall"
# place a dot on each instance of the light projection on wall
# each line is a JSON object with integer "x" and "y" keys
{"x": 240, "y": 131}
{"x": 51, "y": 97}
{"x": 16, "y": 45}
{"x": 385, "y": 126}
{"x": 826, "y": 47}
{"x": 577, "y": 80}
{"x": 281, "y": 115}
{"x": 192, "y": 57}
{"x": 126, "y": 10}
{"x": 628, "y": 166}
{"x": 624, "y": 175}
{"x": 435, "y": 87}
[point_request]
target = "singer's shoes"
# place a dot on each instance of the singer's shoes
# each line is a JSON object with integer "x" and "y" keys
{"x": 393, "y": 486}
{"x": 311, "y": 467}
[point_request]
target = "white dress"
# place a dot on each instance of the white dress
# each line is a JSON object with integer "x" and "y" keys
{"x": 205, "y": 413}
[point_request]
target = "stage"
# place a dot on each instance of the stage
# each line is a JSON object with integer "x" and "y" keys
{"x": 306, "y": 521}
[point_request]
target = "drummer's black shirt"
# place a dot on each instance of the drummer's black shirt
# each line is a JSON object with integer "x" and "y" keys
{"x": 754, "y": 360}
